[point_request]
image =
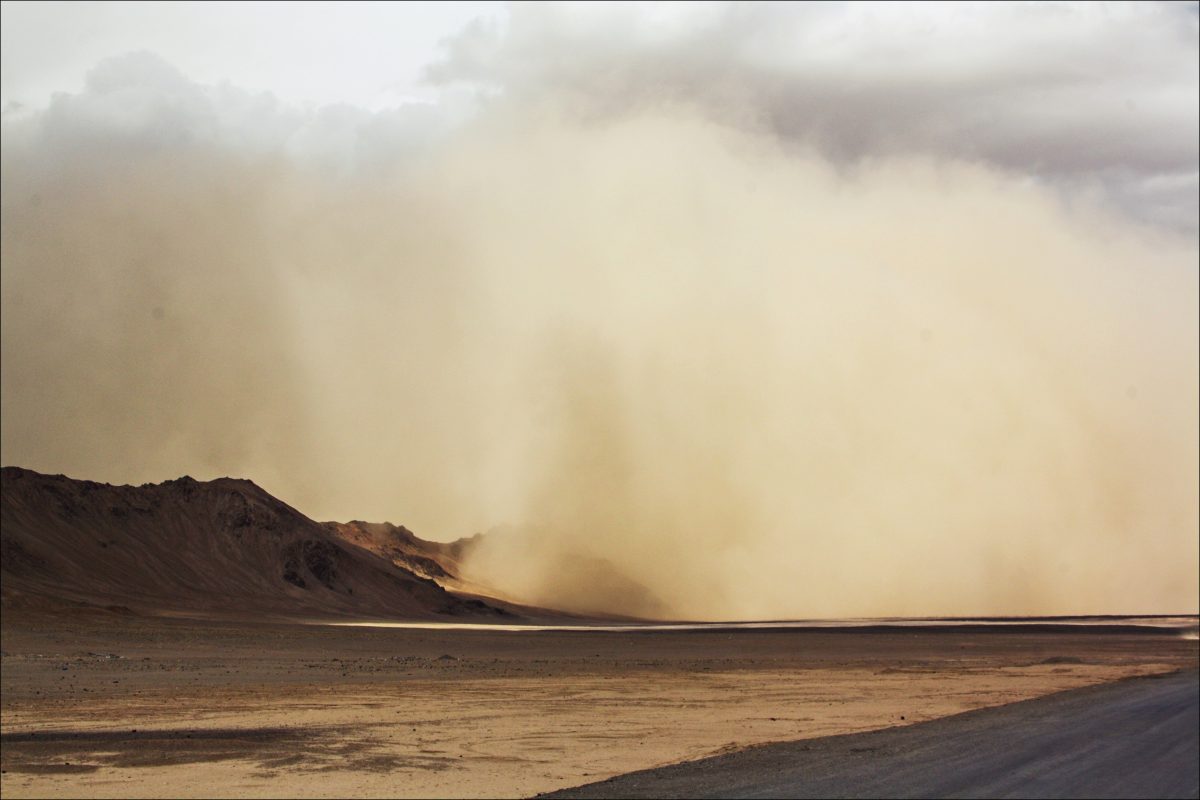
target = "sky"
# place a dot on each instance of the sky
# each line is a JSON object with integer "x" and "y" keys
{"x": 367, "y": 55}
{"x": 837, "y": 309}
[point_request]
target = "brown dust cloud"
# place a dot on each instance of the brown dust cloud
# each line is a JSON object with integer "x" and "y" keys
{"x": 692, "y": 371}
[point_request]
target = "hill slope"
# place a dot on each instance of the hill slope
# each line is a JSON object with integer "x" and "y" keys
{"x": 222, "y": 546}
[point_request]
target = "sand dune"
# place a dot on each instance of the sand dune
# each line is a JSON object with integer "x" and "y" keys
{"x": 223, "y": 546}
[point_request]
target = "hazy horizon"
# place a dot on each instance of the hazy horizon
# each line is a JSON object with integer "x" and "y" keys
{"x": 778, "y": 311}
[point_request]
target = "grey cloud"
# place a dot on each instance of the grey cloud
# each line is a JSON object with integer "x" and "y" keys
{"x": 138, "y": 103}
{"x": 1071, "y": 94}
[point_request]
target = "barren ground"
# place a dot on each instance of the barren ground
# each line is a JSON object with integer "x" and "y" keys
{"x": 116, "y": 705}
{"x": 1129, "y": 739}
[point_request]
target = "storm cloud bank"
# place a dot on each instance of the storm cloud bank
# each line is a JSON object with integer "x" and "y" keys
{"x": 670, "y": 341}
{"x": 1094, "y": 99}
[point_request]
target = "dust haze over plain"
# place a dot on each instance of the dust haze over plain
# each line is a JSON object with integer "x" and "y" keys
{"x": 769, "y": 331}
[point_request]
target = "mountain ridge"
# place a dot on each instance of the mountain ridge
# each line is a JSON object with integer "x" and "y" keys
{"x": 221, "y": 546}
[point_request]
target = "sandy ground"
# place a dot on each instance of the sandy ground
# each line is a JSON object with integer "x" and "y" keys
{"x": 132, "y": 707}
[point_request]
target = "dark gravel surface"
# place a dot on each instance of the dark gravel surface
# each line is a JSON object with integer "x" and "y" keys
{"x": 1135, "y": 738}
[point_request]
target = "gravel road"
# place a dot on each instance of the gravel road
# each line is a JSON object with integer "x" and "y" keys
{"x": 1134, "y": 738}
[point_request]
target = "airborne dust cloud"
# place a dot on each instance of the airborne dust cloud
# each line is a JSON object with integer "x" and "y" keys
{"x": 701, "y": 373}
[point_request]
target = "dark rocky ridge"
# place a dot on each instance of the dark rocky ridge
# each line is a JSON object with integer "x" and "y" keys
{"x": 223, "y": 546}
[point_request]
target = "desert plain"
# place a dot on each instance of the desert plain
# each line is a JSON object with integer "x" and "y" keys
{"x": 205, "y": 639}
{"x": 108, "y": 704}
